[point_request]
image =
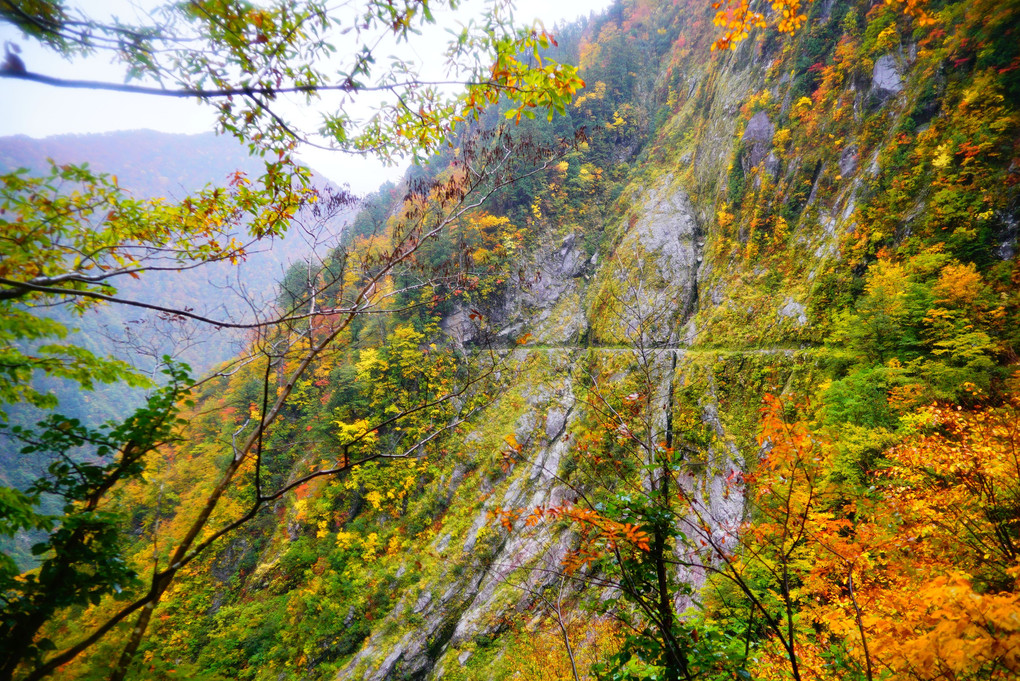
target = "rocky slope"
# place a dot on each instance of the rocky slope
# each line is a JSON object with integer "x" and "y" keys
{"x": 691, "y": 285}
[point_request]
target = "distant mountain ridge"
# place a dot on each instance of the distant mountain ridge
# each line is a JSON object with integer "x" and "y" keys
{"x": 148, "y": 162}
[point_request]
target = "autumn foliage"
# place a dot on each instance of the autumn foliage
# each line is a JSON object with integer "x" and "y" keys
{"x": 736, "y": 18}
{"x": 915, "y": 575}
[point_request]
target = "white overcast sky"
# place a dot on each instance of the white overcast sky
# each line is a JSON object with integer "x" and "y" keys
{"x": 37, "y": 110}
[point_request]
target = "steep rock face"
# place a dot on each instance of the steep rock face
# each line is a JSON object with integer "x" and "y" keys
{"x": 487, "y": 574}
{"x": 649, "y": 287}
{"x": 547, "y": 300}
{"x": 482, "y": 577}
{"x": 758, "y": 138}
{"x": 542, "y": 298}
{"x": 887, "y": 77}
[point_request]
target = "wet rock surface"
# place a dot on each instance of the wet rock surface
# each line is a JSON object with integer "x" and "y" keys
{"x": 655, "y": 271}
{"x": 757, "y": 138}
{"x": 886, "y": 78}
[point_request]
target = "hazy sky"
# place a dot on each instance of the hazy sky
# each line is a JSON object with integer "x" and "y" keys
{"x": 38, "y": 110}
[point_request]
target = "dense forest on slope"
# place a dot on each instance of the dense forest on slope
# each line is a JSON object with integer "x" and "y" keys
{"x": 726, "y": 389}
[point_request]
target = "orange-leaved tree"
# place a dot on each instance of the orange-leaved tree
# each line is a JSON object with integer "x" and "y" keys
{"x": 737, "y": 17}
{"x": 915, "y": 575}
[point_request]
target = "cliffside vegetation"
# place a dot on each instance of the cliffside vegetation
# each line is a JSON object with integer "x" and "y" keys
{"x": 712, "y": 375}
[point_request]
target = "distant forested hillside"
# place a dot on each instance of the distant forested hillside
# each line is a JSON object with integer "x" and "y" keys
{"x": 152, "y": 164}
{"x": 148, "y": 162}
{"x": 155, "y": 164}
